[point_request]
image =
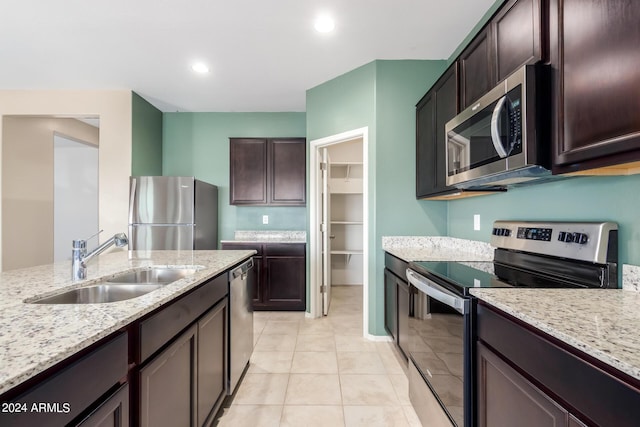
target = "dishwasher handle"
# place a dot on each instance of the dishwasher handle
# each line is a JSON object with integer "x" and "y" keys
{"x": 241, "y": 271}
{"x": 437, "y": 292}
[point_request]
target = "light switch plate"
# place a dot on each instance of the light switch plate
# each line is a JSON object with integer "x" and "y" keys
{"x": 476, "y": 222}
{"x": 265, "y": 219}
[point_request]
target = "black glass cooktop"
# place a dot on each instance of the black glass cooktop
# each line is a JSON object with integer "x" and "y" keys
{"x": 462, "y": 276}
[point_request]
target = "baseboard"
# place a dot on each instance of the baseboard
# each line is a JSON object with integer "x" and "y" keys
{"x": 378, "y": 338}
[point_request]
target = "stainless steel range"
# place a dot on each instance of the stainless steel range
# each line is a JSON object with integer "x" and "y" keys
{"x": 442, "y": 330}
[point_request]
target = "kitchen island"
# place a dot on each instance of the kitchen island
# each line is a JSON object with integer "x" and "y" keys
{"x": 36, "y": 338}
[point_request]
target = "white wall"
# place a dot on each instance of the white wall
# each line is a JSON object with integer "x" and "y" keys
{"x": 75, "y": 194}
{"x": 114, "y": 110}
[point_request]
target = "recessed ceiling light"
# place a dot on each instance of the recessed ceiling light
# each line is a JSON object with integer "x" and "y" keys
{"x": 200, "y": 67}
{"x": 324, "y": 24}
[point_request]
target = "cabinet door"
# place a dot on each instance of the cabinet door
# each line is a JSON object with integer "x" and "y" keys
{"x": 168, "y": 385}
{"x": 506, "y": 398}
{"x": 476, "y": 72}
{"x": 390, "y": 304}
{"x": 248, "y": 171}
{"x": 287, "y": 163}
{"x": 433, "y": 112}
{"x": 446, "y": 92}
{"x": 212, "y": 350}
{"x": 594, "y": 52}
{"x": 425, "y": 146}
{"x": 285, "y": 283}
{"x": 516, "y": 36}
{"x": 114, "y": 412}
{"x": 404, "y": 302}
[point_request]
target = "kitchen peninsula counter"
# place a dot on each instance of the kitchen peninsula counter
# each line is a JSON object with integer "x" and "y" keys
{"x": 35, "y": 337}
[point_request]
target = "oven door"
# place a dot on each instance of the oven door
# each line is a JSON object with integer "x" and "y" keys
{"x": 441, "y": 358}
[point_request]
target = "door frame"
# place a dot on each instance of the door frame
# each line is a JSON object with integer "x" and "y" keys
{"x": 315, "y": 236}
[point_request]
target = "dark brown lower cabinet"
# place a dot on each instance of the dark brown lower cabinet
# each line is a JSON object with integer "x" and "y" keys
{"x": 397, "y": 301}
{"x": 184, "y": 384}
{"x": 168, "y": 384}
{"x": 280, "y": 275}
{"x": 114, "y": 412}
{"x": 528, "y": 378}
{"x": 506, "y": 398}
{"x": 390, "y": 304}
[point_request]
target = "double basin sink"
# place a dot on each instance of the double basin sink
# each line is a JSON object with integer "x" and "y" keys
{"x": 121, "y": 287}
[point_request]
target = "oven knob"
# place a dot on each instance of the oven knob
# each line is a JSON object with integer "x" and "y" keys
{"x": 496, "y": 231}
{"x": 506, "y": 232}
{"x": 568, "y": 237}
{"x": 561, "y": 236}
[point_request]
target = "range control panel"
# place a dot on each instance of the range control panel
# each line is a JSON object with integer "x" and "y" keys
{"x": 588, "y": 241}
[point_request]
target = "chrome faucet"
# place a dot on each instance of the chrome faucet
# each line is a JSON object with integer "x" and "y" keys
{"x": 80, "y": 257}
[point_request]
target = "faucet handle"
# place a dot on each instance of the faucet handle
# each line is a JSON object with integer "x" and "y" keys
{"x": 93, "y": 235}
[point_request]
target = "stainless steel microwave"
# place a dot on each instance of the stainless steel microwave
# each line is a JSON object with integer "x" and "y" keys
{"x": 500, "y": 139}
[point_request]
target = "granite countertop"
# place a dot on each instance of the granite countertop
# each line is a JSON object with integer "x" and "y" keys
{"x": 603, "y": 323}
{"x": 34, "y": 337}
{"x": 284, "y": 236}
{"x": 436, "y": 248}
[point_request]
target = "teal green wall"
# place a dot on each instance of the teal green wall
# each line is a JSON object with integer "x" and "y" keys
{"x": 576, "y": 199}
{"x": 146, "y": 137}
{"x": 381, "y": 96}
{"x": 197, "y": 144}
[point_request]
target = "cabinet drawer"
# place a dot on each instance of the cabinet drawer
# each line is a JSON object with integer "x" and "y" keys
{"x": 157, "y": 330}
{"x": 284, "y": 249}
{"x": 75, "y": 387}
{"x": 396, "y": 266}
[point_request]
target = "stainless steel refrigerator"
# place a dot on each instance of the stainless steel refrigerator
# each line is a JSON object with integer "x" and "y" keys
{"x": 172, "y": 212}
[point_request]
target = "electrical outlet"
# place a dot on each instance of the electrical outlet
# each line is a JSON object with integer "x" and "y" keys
{"x": 265, "y": 219}
{"x": 476, "y": 222}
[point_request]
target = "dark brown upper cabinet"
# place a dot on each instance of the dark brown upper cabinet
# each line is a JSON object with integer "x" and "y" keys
{"x": 513, "y": 38}
{"x": 596, "y": 89}
{"x": 268, "y": 171}
{"x": 476, "y": 71}
{"x": 516, "y": 36}
{"x": 433, "y": 111}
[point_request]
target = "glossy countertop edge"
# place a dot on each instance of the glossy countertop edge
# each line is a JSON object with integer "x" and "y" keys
{"x": 35, "y": 337}
{"x": 602, "y": 323}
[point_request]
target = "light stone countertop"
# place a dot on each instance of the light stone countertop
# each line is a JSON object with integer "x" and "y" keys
{"x": 436, "y": 248}
{"x": 603, "y": 323}
{"x": 34, "y": 337}
{"x": 268, "y": 236}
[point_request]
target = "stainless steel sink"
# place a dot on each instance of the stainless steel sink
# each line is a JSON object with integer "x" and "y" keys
{"x": 121, "y": 287}
{"x": 154, "y": 275}
{"x": 99, "y": 294}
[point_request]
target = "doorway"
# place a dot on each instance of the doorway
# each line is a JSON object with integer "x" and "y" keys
{"x": 339, "y": 218}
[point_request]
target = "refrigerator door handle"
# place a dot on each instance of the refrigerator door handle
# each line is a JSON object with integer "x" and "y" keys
{"x": 132, "y": 197}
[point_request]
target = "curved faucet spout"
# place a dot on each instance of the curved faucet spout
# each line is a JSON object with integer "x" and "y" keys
{"x": 80, "y": 257}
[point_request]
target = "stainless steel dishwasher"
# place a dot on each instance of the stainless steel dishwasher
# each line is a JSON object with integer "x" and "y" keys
{"x": 240, "y": 322}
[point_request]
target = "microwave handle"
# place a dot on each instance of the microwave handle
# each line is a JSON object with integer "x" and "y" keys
{"x": 437, "y": 292}
{"x": 495, "y": 133}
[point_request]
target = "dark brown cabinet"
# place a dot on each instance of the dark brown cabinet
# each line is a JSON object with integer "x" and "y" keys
{"x": 513, "y": 38}
{"x": 594, "y": 55}
{"x": 507, "y": 398}
{"x": 168, "y": 385}
{"x": 267, "y": 171}
{"x": 528, "y": 378}
{"x": 397, "y": 302}
{"x": 516, "y": 36}
{"x": 433, "y": 111}
{"x": 280, "y": 275}
{"x": 476, "y": 70}
{"x": 114, "y": 412}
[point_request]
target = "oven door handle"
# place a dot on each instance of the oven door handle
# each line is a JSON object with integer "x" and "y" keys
{"x": 432, "y": 289}
{"x": 495, "y": 131}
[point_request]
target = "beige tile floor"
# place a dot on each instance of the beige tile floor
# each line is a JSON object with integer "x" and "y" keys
{"x": 321, "y": 372}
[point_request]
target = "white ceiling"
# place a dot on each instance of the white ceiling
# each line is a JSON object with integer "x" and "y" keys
{"x": 263, "y": 54}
